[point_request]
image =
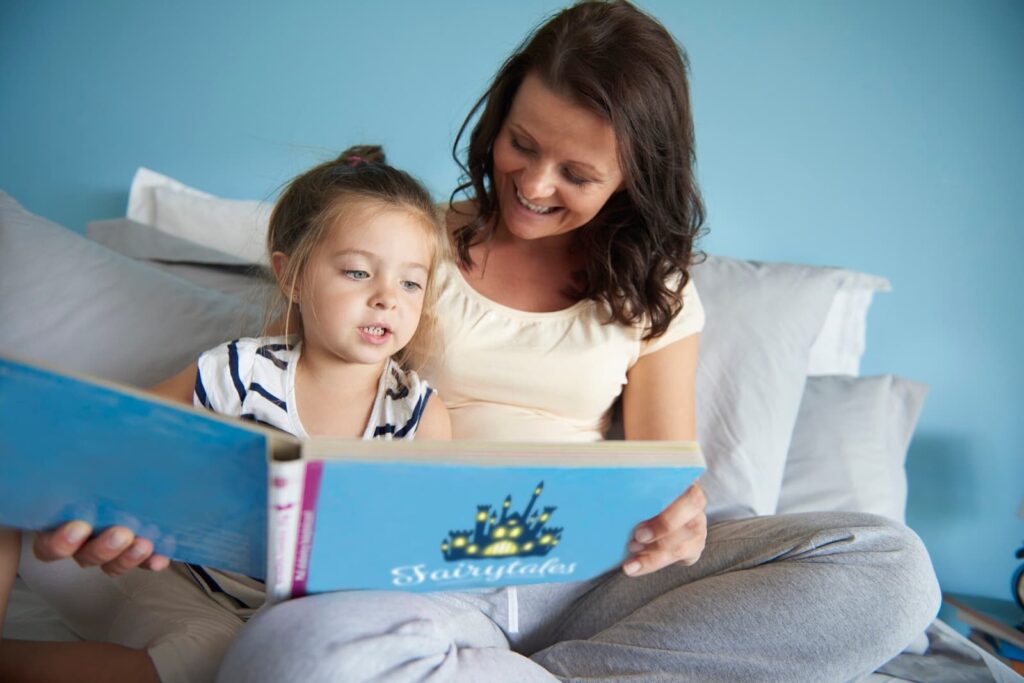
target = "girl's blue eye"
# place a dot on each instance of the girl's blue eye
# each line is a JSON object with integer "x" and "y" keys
{"x": 357, "y": 274}
{"x": 410, "y": 286}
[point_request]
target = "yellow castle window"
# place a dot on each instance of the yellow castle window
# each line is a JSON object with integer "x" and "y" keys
{"x": 501, "y": 548}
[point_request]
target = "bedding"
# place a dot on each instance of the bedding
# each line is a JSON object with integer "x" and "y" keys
{"x": 849, "y": 445}
{"x": 135, "y": 307}
{"x": 762, "y": 319}
{"x": 838, "y": 348}
{"x": 237, "y": 227}
{"x": 73, "y": 303}
{"x": 200, "y": 265}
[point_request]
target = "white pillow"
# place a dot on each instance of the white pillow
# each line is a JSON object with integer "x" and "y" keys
{"x": 840, "y": 344}
{"x": 234, "y": 226}
{"x": 850, "y": 444}
{"x": 141, "y": 199}
{"x": 762, "y": 319}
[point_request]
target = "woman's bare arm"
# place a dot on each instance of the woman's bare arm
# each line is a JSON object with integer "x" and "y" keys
{"x": 658, "y": 403}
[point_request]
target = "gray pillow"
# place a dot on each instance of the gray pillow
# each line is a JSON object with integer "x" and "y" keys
{"x": 762, "y": 319}
{"x": 204, "y": 266}
{"x": 74, "y": 304}
{"x": 850, "y": 444}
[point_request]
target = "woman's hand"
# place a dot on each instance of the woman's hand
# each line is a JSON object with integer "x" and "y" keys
{"x": 677, "y": 534}
{"x": 115, "y": 551}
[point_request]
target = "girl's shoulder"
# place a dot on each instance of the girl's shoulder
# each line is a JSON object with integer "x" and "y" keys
{"x": 401, "y": 399}
{"x": 251, "y": 347}
{"x": 241, "y": 357}
{"x": 399, "y": 384}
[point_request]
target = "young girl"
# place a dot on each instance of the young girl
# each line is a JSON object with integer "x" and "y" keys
{"x": 355, "y": 245}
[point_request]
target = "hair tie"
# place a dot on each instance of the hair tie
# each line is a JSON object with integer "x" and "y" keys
{"x": 354, "y": 161}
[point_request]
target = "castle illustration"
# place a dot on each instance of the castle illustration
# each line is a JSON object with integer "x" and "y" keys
{"x": 520, "y": 534}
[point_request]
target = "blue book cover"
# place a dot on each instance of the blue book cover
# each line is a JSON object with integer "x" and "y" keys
{"x": 73, "y": 448}
{"x": 320, "y": 514}
{"x": 429, "y": 516}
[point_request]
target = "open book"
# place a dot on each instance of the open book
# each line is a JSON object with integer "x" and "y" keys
{"x": 317, "y": 515}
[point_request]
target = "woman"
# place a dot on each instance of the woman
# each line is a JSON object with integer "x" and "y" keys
{"x": 573, "y": 288}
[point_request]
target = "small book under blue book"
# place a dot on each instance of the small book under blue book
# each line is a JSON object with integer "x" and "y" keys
{"x": 320, "y": 514}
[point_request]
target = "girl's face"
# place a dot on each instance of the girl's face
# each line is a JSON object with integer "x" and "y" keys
{"x": 556, "y": 163}
{"x": 361, "y": 292}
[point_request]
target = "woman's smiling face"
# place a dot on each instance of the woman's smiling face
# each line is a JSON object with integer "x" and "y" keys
{"x": 556, "y": 163}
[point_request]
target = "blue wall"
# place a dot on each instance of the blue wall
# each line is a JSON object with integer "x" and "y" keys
{"x": 886, "y": 137}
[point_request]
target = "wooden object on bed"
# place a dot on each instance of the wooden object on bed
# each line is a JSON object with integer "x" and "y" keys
{"x": 991, "y": 620}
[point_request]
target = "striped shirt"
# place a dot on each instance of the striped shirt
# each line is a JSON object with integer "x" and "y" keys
{"x": 254, "y": 379}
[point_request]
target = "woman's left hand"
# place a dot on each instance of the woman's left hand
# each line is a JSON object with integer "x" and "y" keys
{"x": 677, "y": 534}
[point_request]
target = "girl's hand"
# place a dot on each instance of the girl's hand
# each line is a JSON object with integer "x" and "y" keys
{"x": 115, "y": 551}
{"x": 677, "y": 534}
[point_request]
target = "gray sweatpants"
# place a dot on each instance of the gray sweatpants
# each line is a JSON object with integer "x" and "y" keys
{"x": 811, "y": 597}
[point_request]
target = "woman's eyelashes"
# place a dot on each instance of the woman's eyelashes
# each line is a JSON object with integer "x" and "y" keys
{"x": 519, "y": 146}
{"x": 575, "y": 179}
{"x": 567, "y": 173}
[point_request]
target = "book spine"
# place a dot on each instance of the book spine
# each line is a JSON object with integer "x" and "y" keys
{"x": 287, "y": 481}
{"x": 307, "y": 524}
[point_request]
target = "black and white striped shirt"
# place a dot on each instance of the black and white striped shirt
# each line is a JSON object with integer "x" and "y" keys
{"x": 254, "y": 378}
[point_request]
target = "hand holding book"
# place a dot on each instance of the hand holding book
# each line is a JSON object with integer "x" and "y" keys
{"x": 115, "y": 549}
{"x": 677, "y": 534}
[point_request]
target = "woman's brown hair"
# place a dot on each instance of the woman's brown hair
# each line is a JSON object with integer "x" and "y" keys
{"x": 618, "y": 62}
{"x": 317, "y": 199}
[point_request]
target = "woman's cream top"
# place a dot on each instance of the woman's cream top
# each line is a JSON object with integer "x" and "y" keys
{"x": 507, "y": 374}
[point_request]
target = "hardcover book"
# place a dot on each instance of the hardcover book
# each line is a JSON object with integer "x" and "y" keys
{"x": 322, "y": 514}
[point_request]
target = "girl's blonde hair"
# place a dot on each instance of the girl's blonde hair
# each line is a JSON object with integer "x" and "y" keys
{"x": 318, "y": 198}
